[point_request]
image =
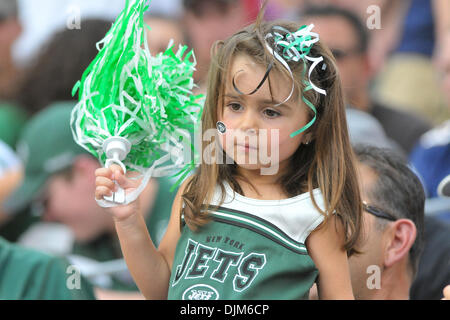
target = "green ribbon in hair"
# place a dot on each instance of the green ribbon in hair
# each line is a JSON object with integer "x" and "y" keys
{"x": 296, "y": 46}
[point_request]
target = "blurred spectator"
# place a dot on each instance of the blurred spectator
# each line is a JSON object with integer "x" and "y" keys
{"x": 60, "y": 65}
{"x": 363, "y": 128}
{"x": 10, "y": 30}
{"x": 58, "y": 185}
{"x": 381, "y": 41}
{"x": 393, "y": 222}
{"x": 391, "y": 187}
{"x": 342, "y": 31}
{"x": 51, "y": 79}
{"x": 289, "y": 9}
{"x": 434, "y": 266}
{"x": 431, "y": 157}
{"x": 392, "y": 240}
{"x": 31, "y": 275}
{"x": 162, "y": 30}
{"x": 55, "y": 15}
{"x": 404, "y": 254}
{"x": 25, "y": 273}
{"x": 207, "y": 21}
{"x": 384, "y": 35}
{"x": 409, "y": 79}
{"x": 283, "y": 9}
{"x": 46, "y": 148}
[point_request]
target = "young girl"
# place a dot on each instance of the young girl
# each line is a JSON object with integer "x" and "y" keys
{"x": 235, "y": 233}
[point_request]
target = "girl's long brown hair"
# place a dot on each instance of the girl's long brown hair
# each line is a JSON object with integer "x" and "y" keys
{"x": 326, "y": 163}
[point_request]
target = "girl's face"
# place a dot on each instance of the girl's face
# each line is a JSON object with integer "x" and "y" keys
{"x": 257, "y": 130}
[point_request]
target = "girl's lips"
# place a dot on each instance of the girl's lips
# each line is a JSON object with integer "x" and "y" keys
{"x": 246, "y": 146}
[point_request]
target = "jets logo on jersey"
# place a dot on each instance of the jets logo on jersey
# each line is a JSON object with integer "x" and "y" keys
{"x": 202, "y": 261}
{"x": 200, "y": 292}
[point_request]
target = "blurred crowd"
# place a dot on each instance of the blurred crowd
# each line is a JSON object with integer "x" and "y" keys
{"x": 393, "y": 59}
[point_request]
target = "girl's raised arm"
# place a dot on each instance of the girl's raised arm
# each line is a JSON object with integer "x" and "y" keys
{"x": 149, "y": 266}
{"x": 325, "y": 246}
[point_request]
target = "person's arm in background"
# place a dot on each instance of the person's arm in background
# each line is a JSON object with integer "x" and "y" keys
{"x": 441, "y": 11}
{"x": 384, "y": 40}
{"x": 446, "y": 293}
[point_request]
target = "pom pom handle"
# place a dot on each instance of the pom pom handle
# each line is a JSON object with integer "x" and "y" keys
{"x": 116, "y": 150}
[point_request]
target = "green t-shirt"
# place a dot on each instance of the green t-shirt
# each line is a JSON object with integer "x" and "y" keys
{"x": 106, "y": 247}
{"x": 251, "y": 249}
{"x": 31, "y": 275}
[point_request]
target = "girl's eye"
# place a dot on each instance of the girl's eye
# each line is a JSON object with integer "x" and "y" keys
{"x": 271, "y": 113}
{"x": 235, "y": 106}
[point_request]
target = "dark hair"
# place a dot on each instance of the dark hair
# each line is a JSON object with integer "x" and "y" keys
{"x": 198, "y": 6}
{"x": 60, "y": 65}
{"x": 397, "y": 191}
{"x": 349, "y": 16}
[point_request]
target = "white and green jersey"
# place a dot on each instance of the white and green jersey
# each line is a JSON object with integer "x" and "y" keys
{"x": 251, "y": 249}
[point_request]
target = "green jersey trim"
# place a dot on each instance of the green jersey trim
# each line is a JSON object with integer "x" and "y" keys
{"x": 258, "y": 225}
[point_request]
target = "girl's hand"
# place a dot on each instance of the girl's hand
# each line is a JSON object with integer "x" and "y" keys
{"x": 105, "y": 186}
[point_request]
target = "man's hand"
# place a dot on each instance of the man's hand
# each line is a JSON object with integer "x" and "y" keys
{"x": 446, "y": 293}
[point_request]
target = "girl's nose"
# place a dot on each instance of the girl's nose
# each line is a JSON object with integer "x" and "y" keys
{"x": 249, "y": 124}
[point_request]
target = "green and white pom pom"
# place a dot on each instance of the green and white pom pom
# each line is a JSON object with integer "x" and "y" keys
{"x": 145, "y": 101}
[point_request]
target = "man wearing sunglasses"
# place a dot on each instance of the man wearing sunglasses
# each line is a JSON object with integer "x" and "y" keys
{"x": 405, "y": 254}
{"x": 393, "y": 214}
{"x": 391, "y": 265}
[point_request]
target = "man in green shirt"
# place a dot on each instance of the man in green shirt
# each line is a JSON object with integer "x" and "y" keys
{"x": 58, "y": 187}
{"x": 31, "y": 275}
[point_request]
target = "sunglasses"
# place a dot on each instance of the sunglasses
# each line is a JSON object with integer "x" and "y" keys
{"x": 378, "y": 212}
